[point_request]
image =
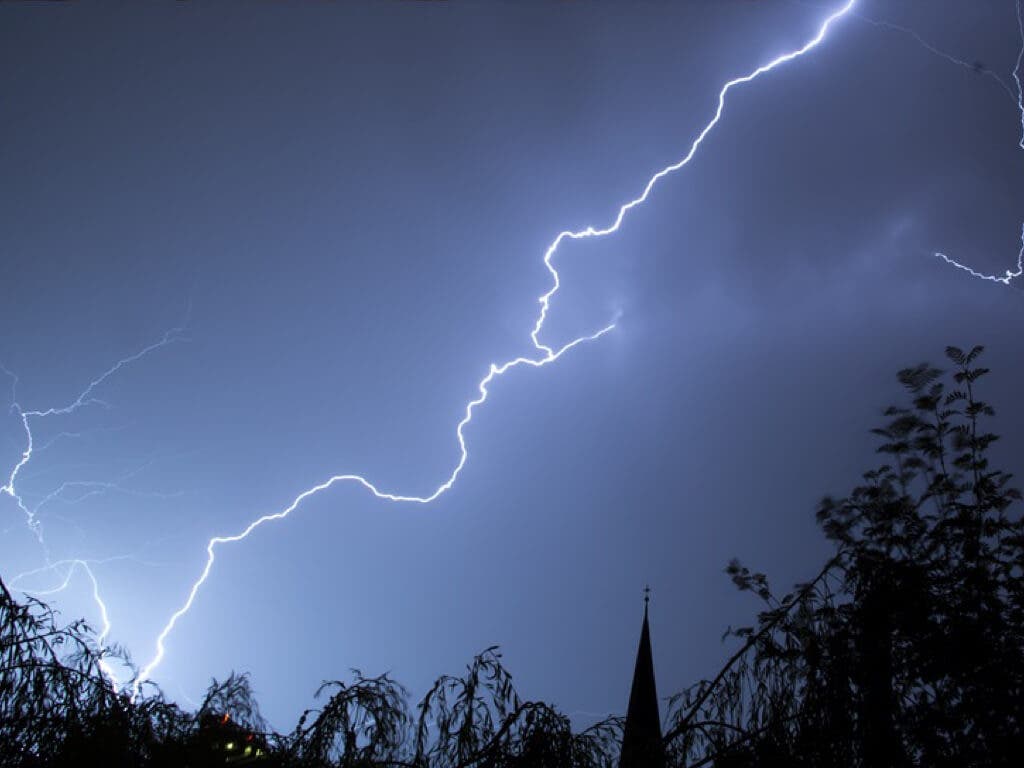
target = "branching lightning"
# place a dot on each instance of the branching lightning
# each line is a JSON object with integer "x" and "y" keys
{"x": 543, "y": 353}
{"x": 546, "y": 353}
{"x": 84, "y": 399}
{"x": 974, "y": 67}
{"x": 495, "y": 371}
{"x": 1010, "y": 274}
{"x": 1016, "y": 97}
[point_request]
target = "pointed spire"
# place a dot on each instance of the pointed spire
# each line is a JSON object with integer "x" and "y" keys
{"x": 642, "y": 746}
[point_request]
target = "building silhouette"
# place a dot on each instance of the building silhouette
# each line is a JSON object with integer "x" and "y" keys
{"x": 642, "y": 746}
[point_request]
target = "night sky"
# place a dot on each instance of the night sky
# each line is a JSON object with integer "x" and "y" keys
{"x": 345, "y": 208}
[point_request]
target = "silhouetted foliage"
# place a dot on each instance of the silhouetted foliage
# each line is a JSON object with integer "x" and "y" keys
{"x": 908, "y": 647}
{"x": 57, "y": 707}
{"x": 479, "y": 720}
{"x": 364, "y": 723}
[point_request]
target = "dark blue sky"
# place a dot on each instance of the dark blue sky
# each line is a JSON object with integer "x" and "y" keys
{"x": 348, "y": 204}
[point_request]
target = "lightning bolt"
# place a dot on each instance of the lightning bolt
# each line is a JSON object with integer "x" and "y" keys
{"x": 1006, "y": 278}
{"x": 546, "y": 354}
{"x": 1010, "y": 274}
{"x": 495, "y": 371}
{"x": 84, "y": 399}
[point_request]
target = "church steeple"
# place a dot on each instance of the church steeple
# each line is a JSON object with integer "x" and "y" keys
{"x": 641, "y": 739}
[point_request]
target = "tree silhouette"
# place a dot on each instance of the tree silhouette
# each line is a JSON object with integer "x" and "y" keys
{"x": 908, "y": 647}
{"x": 57, "y": 708}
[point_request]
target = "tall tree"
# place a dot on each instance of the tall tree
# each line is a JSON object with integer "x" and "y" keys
{"x": 908, "y": 647}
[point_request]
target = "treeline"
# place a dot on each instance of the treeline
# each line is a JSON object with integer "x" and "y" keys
{"x": 58, "y": 708}
{"x": 906, "y": 649}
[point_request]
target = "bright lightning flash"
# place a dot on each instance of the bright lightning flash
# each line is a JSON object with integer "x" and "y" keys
{"x": 546, "y": 353}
